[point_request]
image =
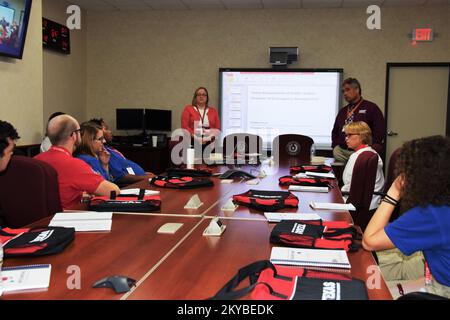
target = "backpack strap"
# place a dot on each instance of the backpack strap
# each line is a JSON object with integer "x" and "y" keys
{"x": 252, "y": 272}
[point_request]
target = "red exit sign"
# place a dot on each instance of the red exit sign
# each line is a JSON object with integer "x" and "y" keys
{"x": 422, "y": 34}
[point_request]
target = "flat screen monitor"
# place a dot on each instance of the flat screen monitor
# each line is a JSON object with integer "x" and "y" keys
{"x": 158, "y": 120}
{"x": 14, "y": 16}
{"x": 129, "y": 119}
{"x": 270, "y": 102}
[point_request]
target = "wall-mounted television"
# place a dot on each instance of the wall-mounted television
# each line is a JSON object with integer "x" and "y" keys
{"x": 14, "y": 16}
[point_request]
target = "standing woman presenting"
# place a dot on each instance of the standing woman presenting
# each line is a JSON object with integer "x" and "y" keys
{"x": 199, "y": 118}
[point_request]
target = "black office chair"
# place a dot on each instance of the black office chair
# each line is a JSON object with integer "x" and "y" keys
{"x": 238, "y": 145}
{"x": 293, "y": 146}
{"x": 421, "y": 296}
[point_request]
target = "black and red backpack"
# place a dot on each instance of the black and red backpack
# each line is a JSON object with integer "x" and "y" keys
{"x": 266, "y": 201}
{"x": 126, "y": 203}
{"x": 311, "y": 168}
{"x": 274, "y": 282}
{"x": 181, "y": 182}
{"x": 184, "y": 172}
{"x": 40, "y": 241}
{"x": 316, "y": 234}
{"x": 306, "y": 182}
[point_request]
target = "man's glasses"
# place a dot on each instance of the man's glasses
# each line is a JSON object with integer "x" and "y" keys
{"x": 348, "y": 135}
{"x": 75, "y": 131}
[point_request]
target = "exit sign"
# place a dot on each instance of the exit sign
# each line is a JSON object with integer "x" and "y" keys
{"x": 422, "y": 34}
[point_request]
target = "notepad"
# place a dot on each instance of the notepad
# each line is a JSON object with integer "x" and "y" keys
{"x": 25, "y": 277}
{"x": 280, "y": 216}
{"x": 135, "y": 192}
{"x": 83, "y": 221}
{"x": 310, "y": 257}
{"x": 308, "y": 189}
{"x": 332, "y": 206}
{"x": 321, "y": 175}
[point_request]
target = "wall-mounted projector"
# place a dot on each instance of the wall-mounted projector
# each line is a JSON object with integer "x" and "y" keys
{"x": 281, "y": 57}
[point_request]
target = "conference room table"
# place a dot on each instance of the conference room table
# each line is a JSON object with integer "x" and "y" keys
{"x": 184, "y": 265}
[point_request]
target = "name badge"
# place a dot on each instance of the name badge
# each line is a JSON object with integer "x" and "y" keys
{"x": 362, "y": 111}
{"x": 131, "y": 171}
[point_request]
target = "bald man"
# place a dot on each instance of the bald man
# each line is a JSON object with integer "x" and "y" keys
{"x": 74, "y": 175}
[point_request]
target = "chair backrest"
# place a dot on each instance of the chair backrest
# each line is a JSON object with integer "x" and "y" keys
{"x": 293, "y": 146}
{"x": 242, "y": 143}
{"x": 362, "y": 187}
{"x": 28, "y": 192}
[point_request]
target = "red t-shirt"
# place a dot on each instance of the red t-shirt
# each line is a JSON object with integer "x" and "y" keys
{"x": 74, "y": 176}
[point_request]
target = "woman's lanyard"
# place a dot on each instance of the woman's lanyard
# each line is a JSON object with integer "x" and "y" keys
{"x": 202, "y": 117}
{"x": 350, "y": 113}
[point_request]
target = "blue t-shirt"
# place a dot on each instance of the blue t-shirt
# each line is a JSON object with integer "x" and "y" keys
{"x": 118, "y": 165}
{"x": 427, "y": 230}
{"x": 95, "y": 165}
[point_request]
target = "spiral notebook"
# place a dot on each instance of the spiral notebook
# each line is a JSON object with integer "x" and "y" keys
{"x": 310, "y": 257}
{"x": 25, "y": 277}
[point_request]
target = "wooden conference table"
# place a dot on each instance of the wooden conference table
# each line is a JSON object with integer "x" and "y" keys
{"x": 185, "y": 265}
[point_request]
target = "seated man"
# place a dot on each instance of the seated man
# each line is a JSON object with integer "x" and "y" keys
{"x": 74, "y": 176}
{"x": 8, "y": 134}
{"x": 124, "y": 170}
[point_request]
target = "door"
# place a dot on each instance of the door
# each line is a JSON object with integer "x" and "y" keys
{"x": 417, "y": 102}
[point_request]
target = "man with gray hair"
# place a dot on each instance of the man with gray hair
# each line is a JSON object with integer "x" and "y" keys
{"x": 358, "y": 109}
{"x": 74, "y": 176}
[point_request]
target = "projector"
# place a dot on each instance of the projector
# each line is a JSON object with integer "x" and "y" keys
{"x": 283, "y": 56}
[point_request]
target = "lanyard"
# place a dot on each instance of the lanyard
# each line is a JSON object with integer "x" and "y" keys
{"x": 202, "y": 117}
{"x": 61, "y": 150}
{"x": 350, "y": 113}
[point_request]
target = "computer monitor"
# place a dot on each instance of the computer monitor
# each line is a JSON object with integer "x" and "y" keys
{"x": 158, "y": 120}
{"x": 129, "y": 119}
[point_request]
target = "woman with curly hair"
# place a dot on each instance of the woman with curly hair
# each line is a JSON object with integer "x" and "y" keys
{"x": 423, "y": 186}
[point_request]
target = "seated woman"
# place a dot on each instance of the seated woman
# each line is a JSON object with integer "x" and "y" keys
{"x": 199, "y": 118}
{"x": 92, "y": 151}
{"x": 423, "y": 186}
{"x": 359, "y": 138}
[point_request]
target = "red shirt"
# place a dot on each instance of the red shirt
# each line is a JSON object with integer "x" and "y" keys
{"x": 74, "y": 176}
{"x": 191, "y": 115}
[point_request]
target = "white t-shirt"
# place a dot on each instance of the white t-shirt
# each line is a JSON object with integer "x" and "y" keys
{"x": 379, "y": 180}
{"x": 199, "y": 130}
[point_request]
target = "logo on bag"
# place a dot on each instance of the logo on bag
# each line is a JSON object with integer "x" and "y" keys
{"x": 298, "y": 228}
{"x": 43, "y": 236}
{"x": 331, "y": 291}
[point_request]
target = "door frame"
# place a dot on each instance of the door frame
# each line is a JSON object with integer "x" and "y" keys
{"x": 390, "y": 65}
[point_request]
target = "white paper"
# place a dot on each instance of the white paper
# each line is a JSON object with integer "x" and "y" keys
{"x": 84, "y": 225}
{"x": 321, "y": 175}
{"x": 308, "y": 189}
{"x": 279, "y": 216}
{"x": 332, "y": 206}
{"x": 25, "y": 278}
{"x": 136, "y": 192}
{"x": 83, "y": 221}
{"x": 82, "y": 215}
{"x": 310, "y": 257}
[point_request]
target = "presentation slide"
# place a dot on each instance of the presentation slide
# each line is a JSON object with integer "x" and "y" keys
{"x": 271, "y": 102}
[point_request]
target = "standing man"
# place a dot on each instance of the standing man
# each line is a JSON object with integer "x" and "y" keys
{"x": 358, "y": 109}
